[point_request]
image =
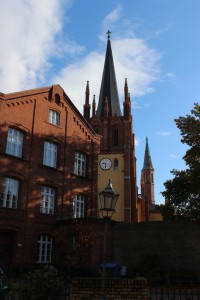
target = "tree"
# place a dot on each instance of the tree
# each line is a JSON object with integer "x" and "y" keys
{"x": 183, "y": 191}
{"x": 73, "y": 246}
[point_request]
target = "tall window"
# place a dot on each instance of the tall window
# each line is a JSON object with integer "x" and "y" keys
{"x": 47, "y": 200}
{"x": 116, "y": 164}
{"x": 50, "y": 155}
{"x": 54, "y": 117}
{"x": 44, "y": 249}
{"x": 78, "y": 206}
{"x": 115, "y": 137}
{"x": 80, "y": 164}
{"x": 9, "y": 195}
{"x": 14, "y": 142}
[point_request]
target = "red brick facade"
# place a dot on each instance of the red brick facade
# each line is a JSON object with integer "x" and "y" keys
{"x": 26, "y": 114}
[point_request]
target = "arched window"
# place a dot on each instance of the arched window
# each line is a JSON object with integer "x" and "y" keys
{"x": 78, "y": 206}
{"x": 57, "y": 99}
{"x": 54, "y": 117}
{"x": 80, "y": 164}
{"x": 47, "y": 200}
{"x": 44, "y": 248}
{"x": 14, "y": 142}
{"x": 9, "y": 195}
{"x": 116, "y": 164}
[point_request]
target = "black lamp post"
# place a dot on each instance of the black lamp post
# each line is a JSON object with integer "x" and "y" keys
{"x": 108, "y": 199}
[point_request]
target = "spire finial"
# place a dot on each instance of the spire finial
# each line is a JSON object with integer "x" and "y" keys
{"x": 108, "y": 34}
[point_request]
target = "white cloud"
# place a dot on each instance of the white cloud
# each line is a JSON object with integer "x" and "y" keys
{"x": 164, "y": 133}
{"x": 173, "y": 156}
{"x": 28, "y": 32}
{"x": 134, "y": 61}
{"x": 33, "y": 37}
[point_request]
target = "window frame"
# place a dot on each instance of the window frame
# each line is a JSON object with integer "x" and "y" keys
{"x": 47, "y": 200}
{"x": 80, "y": 164}
{"x": 44, "y": 248}
{"x": 15, "y": 141}
{"x": 13, "y": 186}
{"x": 78, "y": 206}
{"x": 50, "y": 155}
{"x": 54, "y": 117}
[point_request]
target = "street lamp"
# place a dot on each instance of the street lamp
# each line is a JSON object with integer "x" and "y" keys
{"x": 108, "y": 199}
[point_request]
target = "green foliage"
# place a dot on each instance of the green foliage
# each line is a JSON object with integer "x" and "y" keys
{"x": 73, "y": 245}
{"x": 40, "y": 284}
{"x": 183, "y": 191}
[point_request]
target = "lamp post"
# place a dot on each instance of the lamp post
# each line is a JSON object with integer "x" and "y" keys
{"x": 108, "y": 199}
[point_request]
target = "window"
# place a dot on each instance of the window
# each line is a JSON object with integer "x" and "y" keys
{"x": 47, "y": 200}
{"x": 80, "y": 164}
{"x": 44, "y": 249}
{"x": 78, "y": 206}
{"x": 57, "y": 98}
{"x": 116, "y": 164}
{"x": 9, "y": 196}
{"x": 54, "y": 117}
{"x": 115, "y": 137}
{"x": 50, "y": 155}
{"x": 14, "y": 142}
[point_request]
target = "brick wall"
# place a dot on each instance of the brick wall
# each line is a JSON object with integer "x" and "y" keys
{"x": 90, "y": 289}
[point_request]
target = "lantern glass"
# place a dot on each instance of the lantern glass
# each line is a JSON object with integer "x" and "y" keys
{"x": 108, "y": 199}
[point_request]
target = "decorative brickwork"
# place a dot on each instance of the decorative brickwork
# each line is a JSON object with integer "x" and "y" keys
{"x": 90, "y": 289}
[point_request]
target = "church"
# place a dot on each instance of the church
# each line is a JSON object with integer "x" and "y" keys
{"x": 55, "y": 161}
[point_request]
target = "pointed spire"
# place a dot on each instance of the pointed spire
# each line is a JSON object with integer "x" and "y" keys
{"x": 93, "y": 106}
{"x": 127, "y": 102}
{"x": 86, "y": 107}
{"x": 109, "y": 85}
{"x": 126, "y": 90}
{"x": 147, "y": 158}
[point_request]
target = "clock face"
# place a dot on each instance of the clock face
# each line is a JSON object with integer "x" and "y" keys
{"x": 105, "y": 164}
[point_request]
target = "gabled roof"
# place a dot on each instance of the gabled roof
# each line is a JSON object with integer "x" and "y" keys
{"x": 109, "y": 86}
{"x": 147, "y": 158}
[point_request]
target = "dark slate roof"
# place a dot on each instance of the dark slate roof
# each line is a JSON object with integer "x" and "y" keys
{"x": 109, "y": 86}
{"x": 147, "y": 158}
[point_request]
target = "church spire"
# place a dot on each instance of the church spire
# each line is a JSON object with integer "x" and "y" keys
{"x": 147, "y": 158}
{"x": 109, "y": 85}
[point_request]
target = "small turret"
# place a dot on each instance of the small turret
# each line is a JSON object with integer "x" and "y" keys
{"x": 86, "y": 107}
{"x": 93, "y": 106}
{"x": 127, "y": 102}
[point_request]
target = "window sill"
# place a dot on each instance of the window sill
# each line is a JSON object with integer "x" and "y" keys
{"x": 80, "y": 176}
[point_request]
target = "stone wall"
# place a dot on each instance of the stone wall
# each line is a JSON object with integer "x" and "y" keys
{"x": 175, "y": 244}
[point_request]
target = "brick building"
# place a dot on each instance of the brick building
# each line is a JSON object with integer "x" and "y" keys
{"x": 54, "y": 162}
{"x": 48, "y": 170}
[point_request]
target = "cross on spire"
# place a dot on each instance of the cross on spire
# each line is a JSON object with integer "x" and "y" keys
{"x": 108, "y": 33}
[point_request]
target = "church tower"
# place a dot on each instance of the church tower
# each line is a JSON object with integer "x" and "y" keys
{"x": 147, "y": 178}
{"x": 117, "y": 151}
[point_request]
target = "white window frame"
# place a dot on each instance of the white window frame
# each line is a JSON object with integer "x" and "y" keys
{"x": 78, "y": 206}
{"x": 80, "y": 164}
{"x": 54, "y": 117}
{"x": 47, "y": 200}
{"x": 50, "y": 154}
{"x": 44, "y": 248}
{"x": 14, "y": 144}
{"x": 9, "y": 195}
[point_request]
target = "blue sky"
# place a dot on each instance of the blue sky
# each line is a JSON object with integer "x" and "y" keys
{"x": 156, "y": 46}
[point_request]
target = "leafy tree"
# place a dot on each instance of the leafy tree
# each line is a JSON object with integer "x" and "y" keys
{"x": 73, "y": 246}
{"x": 183, "y": 191}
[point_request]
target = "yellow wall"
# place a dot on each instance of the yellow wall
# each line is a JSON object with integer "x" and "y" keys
{"x": 117, "y": 177}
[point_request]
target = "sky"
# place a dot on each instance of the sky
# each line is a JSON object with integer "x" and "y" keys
{"x": 155, "y": 45}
